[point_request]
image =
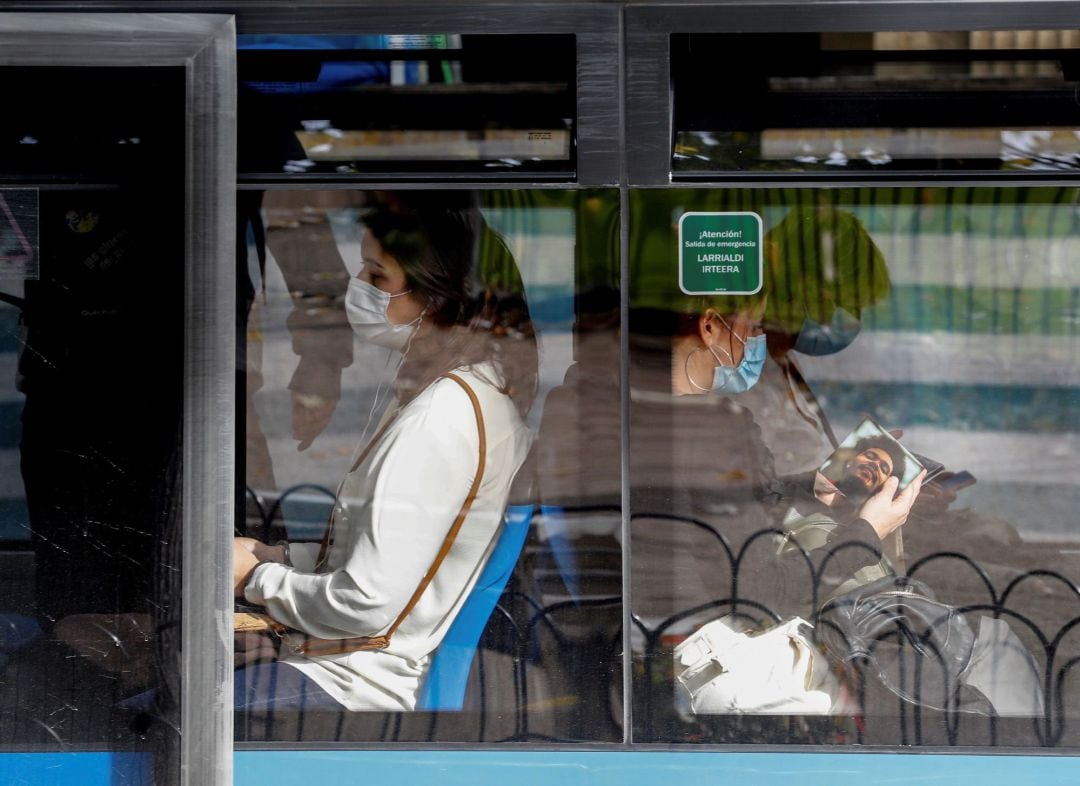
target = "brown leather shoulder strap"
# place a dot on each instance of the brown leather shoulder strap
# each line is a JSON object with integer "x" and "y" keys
{"x": 451, "y": 535}
{"x": 337, "y": 646}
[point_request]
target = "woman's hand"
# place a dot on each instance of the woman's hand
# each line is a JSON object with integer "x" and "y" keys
{"x": 262, "y": 552}
{"x": 885, "y": 512}
{"x": 244, "y": 562}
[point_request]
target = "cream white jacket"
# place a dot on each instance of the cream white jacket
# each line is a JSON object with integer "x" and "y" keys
{"x": 392, "y": 515}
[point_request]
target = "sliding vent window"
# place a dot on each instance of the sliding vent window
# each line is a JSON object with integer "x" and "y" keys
{"x": 350, "y": 104}
{"x": 981, "y": 101}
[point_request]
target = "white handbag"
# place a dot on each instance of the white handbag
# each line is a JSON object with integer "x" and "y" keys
{"x": 779, "y": 671}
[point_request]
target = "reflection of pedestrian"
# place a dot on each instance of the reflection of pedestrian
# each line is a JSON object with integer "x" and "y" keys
{"x": 299, "y": 238}
{"x": 417, "y": 294}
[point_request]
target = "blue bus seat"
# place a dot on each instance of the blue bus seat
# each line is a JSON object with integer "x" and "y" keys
{"x": 562, "y": 549}
{"x": 444, "y": 687}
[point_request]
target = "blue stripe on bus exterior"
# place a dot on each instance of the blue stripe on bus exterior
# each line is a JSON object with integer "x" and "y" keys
{"x": 569, "y": 768}
{"x": 646, "y": 768}
{"x": 94, "y": 768}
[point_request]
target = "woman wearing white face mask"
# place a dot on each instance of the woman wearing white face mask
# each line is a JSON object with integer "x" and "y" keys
{"x": 378, "y": 302}
{"x": 425, "y": 497}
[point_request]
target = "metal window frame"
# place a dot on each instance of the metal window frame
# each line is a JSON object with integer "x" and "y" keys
{"x": 649, "y": 135}
{"x": 600, "y": 113}
{"x": 649, "y": 27}
{"x": 600, "y": 163}
{"x": 594, "y": 25}
{"x": 205, "y": 46}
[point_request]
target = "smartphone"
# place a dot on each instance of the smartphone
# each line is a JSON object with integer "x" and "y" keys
{"x": 956, "y": 481}
{"x": 933, "y": 468}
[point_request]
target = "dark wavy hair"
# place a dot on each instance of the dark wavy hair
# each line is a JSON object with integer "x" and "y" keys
{"x": 464, "y": 272}
{"x": 896, "y": 453}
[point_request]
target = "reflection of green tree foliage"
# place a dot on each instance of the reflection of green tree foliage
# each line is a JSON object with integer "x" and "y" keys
{"x": 988, "y": 211}
{"x": 654, "y": 253}
{"x": 978, "y": 309}
{"x": 802, "y": 279}
{"x": 978, "y": 295}
{"x": 496, "y": 268}
{"x": 817, "y": 259}
{"x": 805, "y": 275}
{"x": 596, "y": 212}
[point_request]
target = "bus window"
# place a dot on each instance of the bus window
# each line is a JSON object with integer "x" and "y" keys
{"x": 890, "y": 415}
{"x": 92, "y": 234}
{"x": 366, "y": 311}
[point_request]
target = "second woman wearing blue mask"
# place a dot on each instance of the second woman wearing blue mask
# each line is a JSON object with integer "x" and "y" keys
{"x": 724, "y": 355}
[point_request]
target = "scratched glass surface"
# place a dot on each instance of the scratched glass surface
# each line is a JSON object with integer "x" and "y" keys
{"x": 946, "y": 314}
{"x": 543, "y": 661}
{"x": 91, "y": 352}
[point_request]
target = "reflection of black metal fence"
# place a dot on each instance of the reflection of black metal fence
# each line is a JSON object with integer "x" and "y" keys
{"x": 553, "y": 673}
{"x": 658, "y": 718}
{"x": 262, "y": 519}
{"x": 542, "y": 673}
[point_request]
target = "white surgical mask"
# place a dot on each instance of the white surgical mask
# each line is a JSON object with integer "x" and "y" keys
{"x": 365, "y": 307}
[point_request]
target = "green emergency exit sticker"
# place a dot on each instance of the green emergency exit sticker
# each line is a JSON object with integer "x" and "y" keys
{"x": 720, "y": 253}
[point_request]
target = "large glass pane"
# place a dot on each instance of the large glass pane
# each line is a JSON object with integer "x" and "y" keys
{"x": 786, "y": 588}
{"x": 91, "y": 343}
{"x": 875, "y": 102}
{"x": 518, "y": 636}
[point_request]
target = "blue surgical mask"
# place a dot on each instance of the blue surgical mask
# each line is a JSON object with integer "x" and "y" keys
{"x": 740, "y": 378}
{"x": 817, "y": 339}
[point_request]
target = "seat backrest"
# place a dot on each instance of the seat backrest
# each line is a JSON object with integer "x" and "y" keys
{"x": 444, "y": 685}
